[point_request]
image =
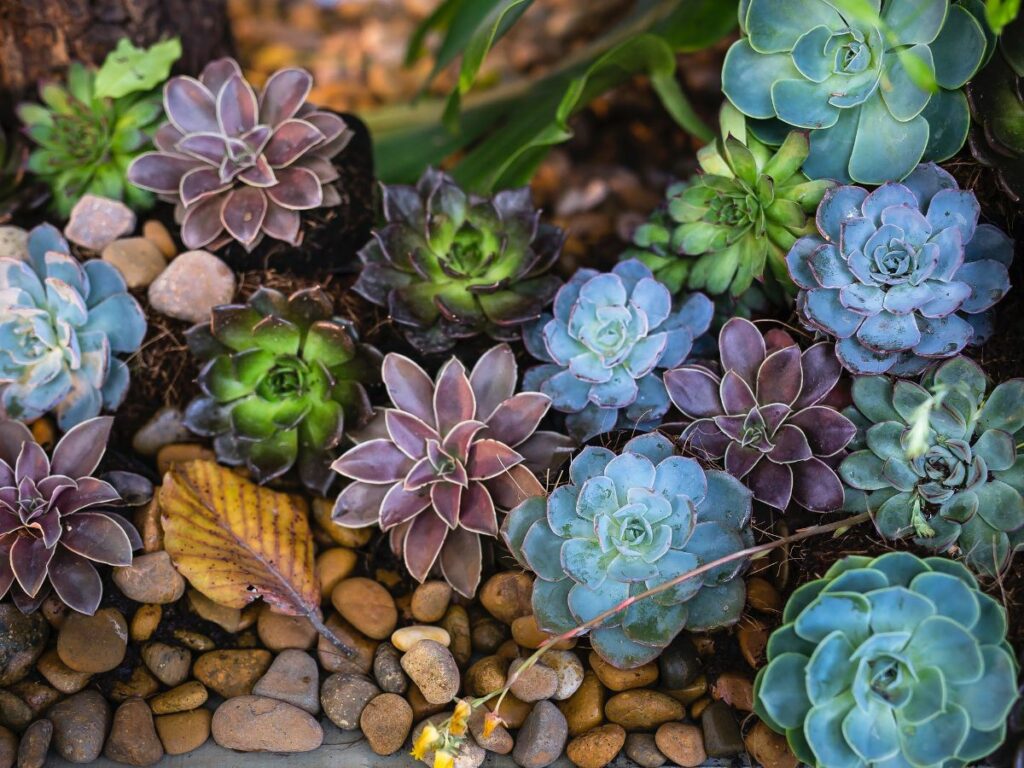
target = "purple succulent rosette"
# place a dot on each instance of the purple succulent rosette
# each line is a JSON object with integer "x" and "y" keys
{"x": 902, "y": 276}
{"x": 435, "y": 469}
{"x": 767, "y": 416}
{"x": 610, "y": 336}
{"x": 240, "y": 167}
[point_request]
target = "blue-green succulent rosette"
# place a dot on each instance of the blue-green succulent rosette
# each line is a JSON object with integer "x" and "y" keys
{"x": 902, "y": 276}
{"x": 878, "y": 83}
{"x": 604, "y": 347}
{"x": 62, "y": 325}
{"x": 627, "y": 523}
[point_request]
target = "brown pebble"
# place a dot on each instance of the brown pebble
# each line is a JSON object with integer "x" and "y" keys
{"x": 385, "y": 722}
{"x": 194, "y": 641}
{"x": 93, "y": 643}
{"x": 698, "y": 707}
{"x": 762, "y": 596}
{"x": 422, "y": 708}
{"x": 22, "y": 640}
{"x": 232, "y": 673}
{"x": 367, "y": 606}
{"x": 333, "y": 660}
{"x": 133, "y": 738}
{"x": 331, "y": 567}
{"x": 147, "y": 521}
{"x": 499, "y": 741}
{"x": 616, "y": 679}
{"x": 456, "y": 623}
{"x": 682, "y": 743}
{"x": 35, "y": 743}
{"x": 179, "y": 453}
{"x": 532, "y": 683}
{"x": 343, "y": 697}
{"x": 8, "y": 748}
{"x": 432, "y": 667}
{"x": 752, "y": 637}
{"x": 261, "y": 724}
{"x": 405, "y": 638}
{"x": 507, "y": 596}
{"x": 80, "y": 724}
{"x": 487, "y": 634}
{"x": 170, "y": 664}
{"x": 513, "y": 711}
{"x": 14, "y": 713}
{"x": 279, "y": 632}
{"x": 344, "y": 537}
{"x": 487, "y": 675}
{"x": 151, "y": 578}
{"x": 231, "y": 620}
{"x": 430, "y": 600}
{"x": 144, "y": 622}
{"x": 60, "y": 675}
{"x": 642, "y": 750}
{"x": 597, "y": 747}
{"x": 38, "y": 696}
{"x": 768, "y": 748}
{"x": 157, "y": 234}
{"x": 54, "y": 611}
{"x": 735, "y": 690}
{"x": 187, "y": 696}
{"x": 584, "y": 710}
{"x": 184, "y": 731}
{"x": 692, "y": 692}
{"x": 140, "y": 684}
{"x": 527, "y": 634}
{"x": 641, "y": 709}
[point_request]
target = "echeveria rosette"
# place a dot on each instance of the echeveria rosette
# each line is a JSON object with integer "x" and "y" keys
{"x": 901, "y": 276}
{"x": 855, "y": 75}
{"x": 62, "y": 325}
{"x": 603, "y": 350}
{"x": 768, "y": 416}
{"x": 282, "y": 381}
{"x": 624, "y": 524}
{"x": 449, "y": 265}
{"x": 938, "y": 461}
{"x": 241, "y": 167}
{"x": 436, "y": 468}
{"x": 734, "y": 223}
{"x": 890, "y": 662}
{"x": 56, "y": 519}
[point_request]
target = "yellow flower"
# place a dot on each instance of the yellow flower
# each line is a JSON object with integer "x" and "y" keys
{"x": 491, "y": 721}
{"x": 459, "y": 718}
{"x": 425, "y": 742}
{"x": 444, "y": 759}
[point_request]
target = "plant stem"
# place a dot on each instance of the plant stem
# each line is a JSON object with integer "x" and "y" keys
{"x": 318, "y": 624}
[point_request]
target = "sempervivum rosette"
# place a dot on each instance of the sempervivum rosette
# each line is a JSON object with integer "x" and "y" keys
{"x": 436, "y": 468}
{"x": 768, "y": 416}
{"x": 241, "y": 167}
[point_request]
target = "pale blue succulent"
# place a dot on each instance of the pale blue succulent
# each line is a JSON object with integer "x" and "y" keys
{"x": 902, "y": 276}
{"x": 891, "y": 662}
{"x": 878, "y": 83}
{"x": 627, "y": 523}
{"x": 62, "y": 325}
{"x": 610, "y": 336}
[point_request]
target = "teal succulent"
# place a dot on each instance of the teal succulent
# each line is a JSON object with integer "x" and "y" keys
{"x": 62, "y": 326}
{"x": 878, "y": 83}
{"x": 938, "y": 461}
{"x": 622, "y": 525}
{"x": 892, "y": 662}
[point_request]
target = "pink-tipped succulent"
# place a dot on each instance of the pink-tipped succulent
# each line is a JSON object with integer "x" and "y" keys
{"x": 240, "y": 167}
{"x": 55, "y": 520}
{"x": 435, "y": 469}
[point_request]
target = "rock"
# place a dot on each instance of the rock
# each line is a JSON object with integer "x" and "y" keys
{"x": 421, "y": 708}
{"x": 259, "y": 724}
{"x": 144, "y": 623}
{"x": 232, "y": 620}
{"x": 762, "y": 596}
{"x": 231, "y": 673}
{"x": 527, "y": 634}
{"x": 584, "y": 710}
{"x": 157, "y": 234}
{"x": 60, "y": 675}
{"x": 38, "y": 696}
{"x": 15, "y": 713}
{"x": 681, "y": 743}
{"x": 506, "y": 596}
{"x": 469, "y": 754}
{"x": 97, "y": 221}
{"x": 532, "y": 683}
{"x": 169, "y": 664}
{"x": 93, "y": 643}
{"x": 150, "y": 578}
{"x": 133, "y": 738}
{"x": 279, "y": 632}
{"x": 487, "y": 675}
{"x": 147, "y": 521}
{"x": 598, "y": 747}
{"x": 642, "y": 750}
{"x": 385, "y": 722}
{"x": 8, "y": 748}
{"x": 616, "y": 679}
{"x": 568, "y": 668}
{"x": 80, "y": 725}
{"x": 52, "y": 609}
{"x": 769, "y": 749}
{"x": 343, "y": 697}
{"x": 35, "y": 743}
{"x": 332, "y": 566}
{"x": 13, "y": 243}
{"x": 690, "y": 693}
{"x": 405, "y": 638}
{"x": 187, "y": 696}
{"x": 193, "y": 284}
{"x": 430, "y": 600}
{"x": 456, "y": 623}
{"x": 541, "y": 739}
{"x": 387, "y": 669}
{"x": 344, "y": 537}
{"x": 179, "y": 453}
{"x": 721, "y": 733}
{"x": 500, "y": 741}
{"x": 194, "y": 641}
{"x": 512, "y": 711}
{"x": 735, "y": 690}
{"x": 164, "y": 427}
{"x": 432, "y": 667}
{"x": 293, "y": 677}
{"x": 679, "y": 665}
{"x": 22, "y": 640}
{"x": 641, "y": 709}
{"x": 752, "y": 637}
{"x": 509, "y": 650}
{"x": 367, "y": 606}
{"x": 182, "y": 732}
{"x": 140, "y": 684}
{"x": 487, "y": 634}
{"x": 137, "y": 259}
{"x": 333, "y": 660}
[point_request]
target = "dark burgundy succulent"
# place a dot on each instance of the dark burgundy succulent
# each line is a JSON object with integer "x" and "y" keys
{"x": 767, "y": 416}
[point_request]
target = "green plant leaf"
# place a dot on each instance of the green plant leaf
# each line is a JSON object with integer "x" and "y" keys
{"x": 128, "y": 69}
{"x": 999, "y": 13}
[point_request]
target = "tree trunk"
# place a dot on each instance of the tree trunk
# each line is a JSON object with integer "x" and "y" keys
{"x": 39, "y": 38}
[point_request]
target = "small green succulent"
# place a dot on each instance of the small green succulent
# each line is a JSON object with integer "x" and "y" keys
{"x": 892, "y": 662}
{"x": 735, "y": 222}
{"x": 938, "y": 460}
{"x": 282, "y": 382}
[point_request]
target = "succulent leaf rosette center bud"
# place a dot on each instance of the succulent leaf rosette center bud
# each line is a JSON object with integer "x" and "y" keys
{"x": 288, "y": 378}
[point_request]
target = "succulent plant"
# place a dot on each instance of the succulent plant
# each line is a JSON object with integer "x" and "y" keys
{"x": 997, "y": 103}
{"x": 55, "y": 517}
{"x": 282, "y": 381}
{"x": 450, "y": 266}
{"x": 436, "y": 468}
{"x": 624, "y": 524}
{"x": 85, "y": 142}
{"x": 603, "y": 349}
{"x": 768, "y": 415}
{"x": 902, "y": 276}
{"x": 877, "y": 83}
{"x": 62, "y": 325}
{"x": 735, "y": 222}
{"x": 240, "y": 167}
{"x": 938, "y": 461}
{"x": 891, "y": 661}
